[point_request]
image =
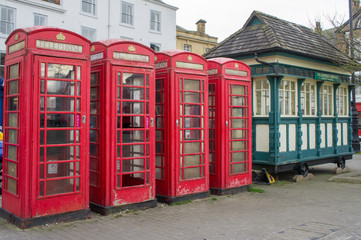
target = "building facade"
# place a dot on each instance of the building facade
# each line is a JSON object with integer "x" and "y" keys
{"x": 195, "y": 41}
{"x": 150, "y": 22}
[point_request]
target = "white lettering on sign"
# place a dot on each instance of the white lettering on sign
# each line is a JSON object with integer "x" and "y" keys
{"x": 236, "y": 72}
{"x": 161, "y": 65}
{"x": 97, "y": 56}
{"x": 131, "y": 57}
{"x": 189, "y": 65}
{"x": 59, "y": 46}
{"x": 212, "y": 71}
{"x": 16, "y": 46}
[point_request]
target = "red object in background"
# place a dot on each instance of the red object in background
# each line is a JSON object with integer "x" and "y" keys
{"x": 358, "y": 106}
{"x": 46, "y": 150}
{"x": 121, "y": 126}
{"x": 230, "y": 126}
{"x": 181, "y": 126}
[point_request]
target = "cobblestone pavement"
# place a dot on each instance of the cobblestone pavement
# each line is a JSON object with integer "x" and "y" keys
{"x": 314, "y": 209}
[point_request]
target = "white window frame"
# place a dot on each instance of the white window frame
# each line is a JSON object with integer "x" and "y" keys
{"x": 11, "y": 22}
{"x": 93, "y": 9}
{"x": 326, "y": 99}
{"x": 342, "y": 101}
{"x": 40, "y": 16}
{"x": 309, "y": 91}
{"x": 157, "y": 45}
{"x": 285, "y": 91}
{"x": 94, "y": 33}
{"x": 156, "y": 24}
{"x": 261, "y": 96}
{"x": 60, "y": 2}
{"x": 129, "y": 16}
{"x": 187, "y": 47}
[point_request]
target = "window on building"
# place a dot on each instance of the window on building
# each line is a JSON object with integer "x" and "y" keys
{"x": 40, "y": 20}
{"x": 342, "y": 101}
{"x": 326, "y": 100}
{"x": 7, "y": 20}
{"x": 58, "y": 2}
{"x": 2, "y": 63}
{"x": 287, "y": 98}
{"x": 126, "y": 38}
{"x": 88, "y": 6}
{"x": 262, "y": 103}
{"x": 188, "y": 47}
{"x": 127, "y": 13}
{"x": 155, "y": 21}
{"x": 308, "y": 99}
{"x": 155, "y": 47}
{"x": 89, "y": 33}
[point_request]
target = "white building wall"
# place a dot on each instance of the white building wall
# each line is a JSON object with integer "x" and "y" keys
{"x": 69, "y": 16}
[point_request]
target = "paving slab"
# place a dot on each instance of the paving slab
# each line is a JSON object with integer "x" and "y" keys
{"x": 317, "y": 209}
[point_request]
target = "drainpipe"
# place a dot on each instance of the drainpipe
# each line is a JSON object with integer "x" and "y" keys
{"x": 108, "y": 19}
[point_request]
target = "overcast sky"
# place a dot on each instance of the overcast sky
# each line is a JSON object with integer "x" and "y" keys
{"x": 227, "y": 16}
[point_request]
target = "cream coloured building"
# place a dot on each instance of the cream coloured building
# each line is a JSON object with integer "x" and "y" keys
{"x": 195, "y": 41}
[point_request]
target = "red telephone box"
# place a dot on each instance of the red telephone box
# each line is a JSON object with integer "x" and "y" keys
{"x": 181, "y": 126}
{"x": 230, "y": 126}
{"x": 122, "y": 132}
{"x": 46, "y": 127}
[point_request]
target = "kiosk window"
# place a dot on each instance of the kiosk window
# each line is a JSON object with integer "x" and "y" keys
{"x": 342, "y": 101}
{"x": 262, "y": 97}
{"x": 308, "y": 99}
{"x": 287, "y": 98}
{"x": 326, "y": 100}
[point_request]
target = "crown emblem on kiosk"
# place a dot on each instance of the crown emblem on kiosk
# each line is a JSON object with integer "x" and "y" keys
{"x": 190, "y": 58}
{"x": 236, "y": 65}
{"x": 60, "y": 37}
{"x": 131, "y": 48}
{"x": 155, "y": 58}
{"x": 16, "y": 37}
{"x": 92, "y": 49}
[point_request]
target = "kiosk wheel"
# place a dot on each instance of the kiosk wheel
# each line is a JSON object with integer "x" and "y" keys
{"x": 341, "y": 163}
{"x": 303, "y": 169}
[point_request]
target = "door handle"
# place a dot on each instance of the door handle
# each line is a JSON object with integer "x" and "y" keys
{"x": 226, "y": 123}
{"x": 152, "y": 122}
{"x": 84, "y": 119}
{"x": 177, "y": 122}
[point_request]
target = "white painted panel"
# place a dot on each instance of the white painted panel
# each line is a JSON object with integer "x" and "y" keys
{"x": 312, "y": 136}
{"x": 323, "y": 135}
{"x": 283, "y": 138}
{"x": 292, "y": 137}
{"x": 262, "y": 138}
{"x": 345, "y": 133}
{"x": 329, "y": 135}
{"x": 339, "y": 136}
{"x": 304, "y": 136}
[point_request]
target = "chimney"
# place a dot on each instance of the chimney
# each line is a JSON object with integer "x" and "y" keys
{"x": 355, "y": 6}
{"x": 318, "y": 28}
{"x": 201, "y": 27}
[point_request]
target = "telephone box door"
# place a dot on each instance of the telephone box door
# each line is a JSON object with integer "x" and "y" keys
{"x": 192, "y": 125}
{"x": 60, "y": 112}
{"x": 239, "y": 133}
{"x": 134, "y": 133}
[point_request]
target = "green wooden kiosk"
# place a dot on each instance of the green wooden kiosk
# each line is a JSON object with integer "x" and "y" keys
{"x": 301, "y": 94}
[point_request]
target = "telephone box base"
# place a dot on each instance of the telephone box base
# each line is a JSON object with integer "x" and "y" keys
{"x": 229, "y": 191}
{"x": 170, "y": 200}
{"x": 57, "y": 218}
{"x": 114, "y": 209}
